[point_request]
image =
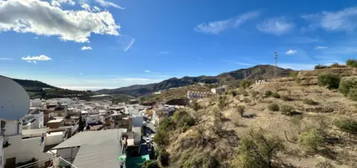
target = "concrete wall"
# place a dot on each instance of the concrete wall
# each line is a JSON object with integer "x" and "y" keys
{"x": 68, "y": 153}
{"x": 54, "y": 138}
{"x": 24, "y": 149}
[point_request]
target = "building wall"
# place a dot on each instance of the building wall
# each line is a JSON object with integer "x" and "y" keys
{"x": 24, "y": 149}
{"x": 54, "y": 138}
{"x": 68, "y": 153}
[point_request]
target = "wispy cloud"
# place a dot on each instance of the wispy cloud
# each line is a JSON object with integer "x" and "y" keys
{"x": 217, "y": 27}
{"x": 343, "y": 20}
{"x": 84, "y": 48}
{"x": 291, "y": 52}
{"x": 321, "y": 47}
{"x": 5, "y": 59}
{"x": 147, "y": 71}
{"x": 43, "y": 18}
{"x": 163, "y": 52}
{"x": 130, "y": 44}
{"x": 59, "y": 3}
{"x": 105, "y": 3}
{"x": 35, "y": 59}
{"x": 276, "y": 26}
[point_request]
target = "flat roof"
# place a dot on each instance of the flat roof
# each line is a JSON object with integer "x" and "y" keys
{"x": 96, "y": 148}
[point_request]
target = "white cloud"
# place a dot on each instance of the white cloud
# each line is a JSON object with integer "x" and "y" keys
{"x": 276, "y": 26}
{"x": 5, "y": 59}
{"x": 42, "y": 18}
{"x": 164, "y": 52}
{"x": 321, "y": 47}
{"x": 130, "y": 44}
{"x": 291, "y": 52}
{"x": 147, "y": 71}
{"x": 84, "y": 48}
{"x": 217, "y": 27}
{"x": 59, "y": 3}
{"x": 108, "y": 4}
{"x": 34, "y": 59}
{"x": 343, "y": 20}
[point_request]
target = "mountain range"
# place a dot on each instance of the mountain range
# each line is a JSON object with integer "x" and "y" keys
{"x": 253, "y": 73}
{"x": 36, "y": 88}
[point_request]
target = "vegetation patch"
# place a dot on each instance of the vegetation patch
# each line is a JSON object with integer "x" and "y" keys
{"x": 310, "y": 102}
{"x": 273, "y": 107}
{"x": 257, "y": 151}
{"x": 276, "y": 95}
{"x": 351, "y": 63}
{"x": 312, "y": 140}
{"x": 347, "y": 125}
{"x": 287, "y": 110}
{"x": 331, "y": 81}
{"x": 348, "y": 87}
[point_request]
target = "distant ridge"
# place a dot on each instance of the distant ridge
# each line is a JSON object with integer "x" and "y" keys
{"x": 253, "y": 73}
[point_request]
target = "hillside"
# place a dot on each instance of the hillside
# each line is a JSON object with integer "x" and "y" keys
{"x": 257, "y": 72}
{"x": 38, "y": 89}
{"x": 284, "y": 122}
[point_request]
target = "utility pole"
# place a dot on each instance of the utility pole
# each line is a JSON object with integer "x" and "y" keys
{"x": 276, "y": 55}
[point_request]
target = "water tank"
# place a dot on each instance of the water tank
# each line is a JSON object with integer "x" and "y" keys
{"x": 14, "y": 100}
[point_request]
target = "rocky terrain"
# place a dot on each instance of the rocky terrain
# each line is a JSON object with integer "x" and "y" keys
{"x": 297, "y": 121}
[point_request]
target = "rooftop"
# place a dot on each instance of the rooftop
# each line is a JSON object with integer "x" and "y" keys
{"x": 97, "y": 148}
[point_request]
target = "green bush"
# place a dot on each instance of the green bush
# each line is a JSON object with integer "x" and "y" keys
{"x": 310, "y": 102}
{"x": 320, "y": 67}
{"x": 183, "y": 119}
{"x": 257, "y": 151}
{"x": 245, "y": 84}
{"x": 331, "y": 81}
{"x": 241, "y": 110}
{"x": 201, "y": 161}
{"x": 268, "y": 93}
{"x": 348, "y": 87}
{"x": 347, "y": 125}
{"x": 312, "y": 140}
{"x": 287, "y": 110}
{"x": 273, "y": 107}
{"x": 161, "y": 138}
{"x": 351, "y": 63}
{"x": 150, "y": 164}
{"x": 276, "y": 95}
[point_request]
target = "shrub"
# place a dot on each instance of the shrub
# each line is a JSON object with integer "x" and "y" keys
{"x": 286, "y": 98}
{"x": 161, "y": 138}
{"x": 245, "y": 84}
{"x": 274, "y": 107}
{"x": 241, "y": 110}
{"x": 348, "y": 87}
{"x": 312, "y": 140}
{"x": 268, "y": 93}
{"x": 201, "y": 161}
{"x": 351, "y": 63}
{"x": 331, "y": 81}
{"x": 347, "y": 125}
{"x": 310, "y": 102}
{"x": 164, "y": 157}
{"x": 257, "y": 151}
{"x": 287, "y": 110}
{"x": 276, "y": 95}
{"x": 196, "y": 106}
{"x": 222, "y": 102}
{"x": 183, "y": 119}
{"x": 150, "y": 164}
{"x": 320, "y": 66}
{"x": 324, "y": 164}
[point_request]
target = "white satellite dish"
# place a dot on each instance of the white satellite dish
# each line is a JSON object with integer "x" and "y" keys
{"x": 14, "y": 100}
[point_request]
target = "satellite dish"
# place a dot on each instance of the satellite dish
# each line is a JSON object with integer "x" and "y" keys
{"x": 14, "y": 100}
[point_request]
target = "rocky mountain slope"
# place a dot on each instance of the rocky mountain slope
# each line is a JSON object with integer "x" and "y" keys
{"x": 285, "y": 122}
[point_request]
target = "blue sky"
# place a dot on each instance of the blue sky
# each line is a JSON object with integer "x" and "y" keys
{"x": 92, "y": 44}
